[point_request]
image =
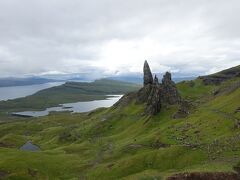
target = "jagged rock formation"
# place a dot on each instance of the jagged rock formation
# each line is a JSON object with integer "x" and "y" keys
{"x": 154, "y": 94}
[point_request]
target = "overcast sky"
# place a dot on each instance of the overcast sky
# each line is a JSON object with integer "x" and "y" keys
{"x": 114, "y": 37}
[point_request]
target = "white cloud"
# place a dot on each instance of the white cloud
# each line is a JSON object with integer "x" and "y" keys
{"x": 115, "y": 37}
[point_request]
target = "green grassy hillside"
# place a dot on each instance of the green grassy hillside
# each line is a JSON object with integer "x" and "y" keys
{"x": 122, "y": 143}
{"x": 67, "y": 93}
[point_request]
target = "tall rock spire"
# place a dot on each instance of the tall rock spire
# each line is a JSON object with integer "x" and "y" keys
{"x": 148, "y": 78}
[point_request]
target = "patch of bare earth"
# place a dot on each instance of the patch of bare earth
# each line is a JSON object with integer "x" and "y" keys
{"x": 4, "y": 145}
{"x": 205, "y": 176}
{"x": 3, "y": 174}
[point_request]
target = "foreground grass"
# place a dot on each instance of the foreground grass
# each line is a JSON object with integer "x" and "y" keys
{"x": 120, "y": 142}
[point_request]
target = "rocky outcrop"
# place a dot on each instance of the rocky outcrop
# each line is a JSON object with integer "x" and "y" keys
{"x": 125, "y": 100}
{"x": 218, "y": 78}
{"x": 150, "y": 95}
{"x": 155, "y": 94}
{"x": 153, "y": 105}
{"x": 169, "y": 94}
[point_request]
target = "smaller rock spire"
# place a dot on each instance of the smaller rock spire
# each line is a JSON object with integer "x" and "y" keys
{"x": 155, "y": 81}
{"x": 167, "y": 78}
{"x": 148, "y": 78}
{"x": 170, "y": 93}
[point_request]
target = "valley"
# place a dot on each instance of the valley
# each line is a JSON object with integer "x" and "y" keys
{"x": 69, "y": 92}
{"x": 125, "y": 142}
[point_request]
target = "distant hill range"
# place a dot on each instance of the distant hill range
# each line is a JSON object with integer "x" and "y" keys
{"x": 12, "y": 81}
{"x": 70, "y": 92}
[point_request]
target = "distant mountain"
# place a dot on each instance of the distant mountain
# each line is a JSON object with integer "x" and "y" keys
{"x": 139, "y": 80}
{"x": 71, "y": 76}
{"x": 12, "y": 81}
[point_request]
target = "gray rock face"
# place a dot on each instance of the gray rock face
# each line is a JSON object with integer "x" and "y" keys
{"x": 150, "y": 96}
{"x": 170, "y": 94}
{"x": 147, "y": 75}
{"x": 154, "y": 94}
{"x": 153, "y": 105}
{"x": 155, "y": 81}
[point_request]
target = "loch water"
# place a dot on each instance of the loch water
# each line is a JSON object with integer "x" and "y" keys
{"x": 77, "y": 107}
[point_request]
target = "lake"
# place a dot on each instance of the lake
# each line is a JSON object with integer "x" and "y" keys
{"x": 77, "y": 107}
{"x": 22, "y": 91}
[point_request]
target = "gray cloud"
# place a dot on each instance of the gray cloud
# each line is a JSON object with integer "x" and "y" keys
{"x": 114, "y": 37}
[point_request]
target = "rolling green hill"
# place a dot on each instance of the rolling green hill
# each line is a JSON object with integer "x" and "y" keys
{"x": 122, "y": 143}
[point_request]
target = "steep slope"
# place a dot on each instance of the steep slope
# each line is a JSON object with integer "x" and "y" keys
{"x": 124, "y": 143}
{"x": 222, "y": 76}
